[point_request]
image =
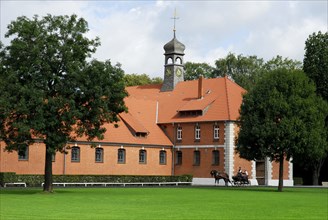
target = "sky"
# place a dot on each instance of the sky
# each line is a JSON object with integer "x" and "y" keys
{"x": 133, "y": 33}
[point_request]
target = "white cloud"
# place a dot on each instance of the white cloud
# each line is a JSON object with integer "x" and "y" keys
{"x": 134, "y": 32}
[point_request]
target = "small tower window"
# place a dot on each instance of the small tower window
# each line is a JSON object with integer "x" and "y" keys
{"x": 169, "y": 60}
{"x": 178, "y": 60}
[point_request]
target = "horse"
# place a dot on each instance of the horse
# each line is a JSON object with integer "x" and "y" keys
{"x": 220, "y": 175}
{"x": 240, "y": 179}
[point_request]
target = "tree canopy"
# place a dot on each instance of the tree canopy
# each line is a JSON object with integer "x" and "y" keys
{"x": 316, "y": 67}
{"x": 49, "y": 89}
{"x": 316, "y": 61}
{"x": 282, "y": 118}
{"x": 142, "y": 79}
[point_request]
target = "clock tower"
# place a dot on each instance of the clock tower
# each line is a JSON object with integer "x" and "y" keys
{"x": 174, "y": 66}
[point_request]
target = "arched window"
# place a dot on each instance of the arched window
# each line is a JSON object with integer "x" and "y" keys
{"x": 121, "y": 156}
{"x": 196, "y": 158}
{"x": 178, "y": 60}
{"x": 23, "y": 154}
{"x": 99, "y": 155}
{"x": 142, "y": 156}
{"x": 162, "y": 157}
{"x": 75, "y": 154}
{"x": 169, "y": 60}
{"x": 215, "y": 157}
{"x": 178, "y": 157}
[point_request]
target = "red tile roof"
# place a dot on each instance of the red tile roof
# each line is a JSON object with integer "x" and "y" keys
{"x": 148, "y": 107}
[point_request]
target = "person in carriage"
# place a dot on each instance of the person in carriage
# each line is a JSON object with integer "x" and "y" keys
{"x": 241, "y": 177}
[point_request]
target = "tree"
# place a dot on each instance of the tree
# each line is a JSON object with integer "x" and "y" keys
{"x": 315, "y": 63}
{"x": 142, "y": 79}
{"x": 244, "y": 70}
{"x": 278, "y": 63}
{"x": 50, "y": 92}
{"x": 195, "y": 70}
{"x": 281, "y": 118}
{"x": 316, "y": 67}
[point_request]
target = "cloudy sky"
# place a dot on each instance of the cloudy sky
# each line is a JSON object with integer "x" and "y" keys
{"x": 133, "y": 32}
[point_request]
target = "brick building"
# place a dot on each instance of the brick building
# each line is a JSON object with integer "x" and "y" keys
{"x": 178, "y": 127}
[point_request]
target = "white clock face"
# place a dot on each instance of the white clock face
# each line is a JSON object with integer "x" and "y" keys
{"x": 178, "y": 72}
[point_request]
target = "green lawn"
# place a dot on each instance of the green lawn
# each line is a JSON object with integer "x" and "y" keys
{"x": 165, "y": 203}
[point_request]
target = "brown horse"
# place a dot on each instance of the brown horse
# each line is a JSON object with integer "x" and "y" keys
{"x": 220, "y": 175}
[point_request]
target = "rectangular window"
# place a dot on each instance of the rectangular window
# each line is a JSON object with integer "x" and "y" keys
{"x": 215, "y": 157}
{"x": 53, "y": 157}
{"x": 216, "y": 134}
{"x": 196, "y": 158}
{"x": 162, "y": 157}
{"x": 179, "y": 133}
{"x": 23, "y": 154}
{"x": 99, "y": 155}
{"x": 197, "y": 132}
{"x": 75, "y": 154}
{"x": 178, "y": 158}
{"x": 121, "y": 156}
{"x": 142, "y": 156}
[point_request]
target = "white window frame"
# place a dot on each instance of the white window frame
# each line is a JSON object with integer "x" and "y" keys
{"x": 197, "y": 132}
{"x": 179, "y": 133}
{"x": 216, "y": 132}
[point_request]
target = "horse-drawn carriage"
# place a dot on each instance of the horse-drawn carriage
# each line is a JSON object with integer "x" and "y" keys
{"x": 238, "y": 180}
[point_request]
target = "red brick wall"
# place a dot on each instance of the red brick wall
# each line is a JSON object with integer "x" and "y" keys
{"x": 188, "y": 139}
{"x": 87, "y": 165}
{"x": 205, "y": 167}
{"x": 275, "y": 170}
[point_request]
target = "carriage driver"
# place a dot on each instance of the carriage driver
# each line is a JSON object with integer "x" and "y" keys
{"x": 239, "y": 172}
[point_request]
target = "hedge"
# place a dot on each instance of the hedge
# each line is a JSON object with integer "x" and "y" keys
{"x": 36, "y": 180}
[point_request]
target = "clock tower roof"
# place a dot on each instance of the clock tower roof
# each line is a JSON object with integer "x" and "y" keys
{"x": 174, "y": 46}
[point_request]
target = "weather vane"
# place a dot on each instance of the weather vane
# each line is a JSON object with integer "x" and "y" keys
{"x": 174, "y": 18}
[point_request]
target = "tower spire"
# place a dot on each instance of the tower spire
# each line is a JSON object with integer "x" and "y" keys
{"x": 174, "y": 20}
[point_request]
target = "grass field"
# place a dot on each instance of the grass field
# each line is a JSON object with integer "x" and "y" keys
{"x": 165, "y": 203}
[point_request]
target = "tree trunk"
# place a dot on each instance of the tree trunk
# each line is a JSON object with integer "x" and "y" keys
{"x": 281, "y": 173}
{"x": 316, "y": 171}
{"x": 47, "y": 187}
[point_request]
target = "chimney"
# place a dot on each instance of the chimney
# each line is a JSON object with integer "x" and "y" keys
{"x": 200, "y": 87}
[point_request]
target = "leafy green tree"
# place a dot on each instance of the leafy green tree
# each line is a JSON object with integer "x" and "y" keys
{"x": 281, "y": 118}
{"x": 195, "y": 70}
{"x": 244, "y": 70}
{"x": 316, "y": 67}
{"x": 140, "y": 79}
{"x": 50, "y": 92}
{"x": 279, "y": 63}
{"x": 315, "y": 63}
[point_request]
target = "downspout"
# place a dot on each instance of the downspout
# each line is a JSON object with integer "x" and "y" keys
{"x": 64, "y": 167}
{"x": 173, "y": 148}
